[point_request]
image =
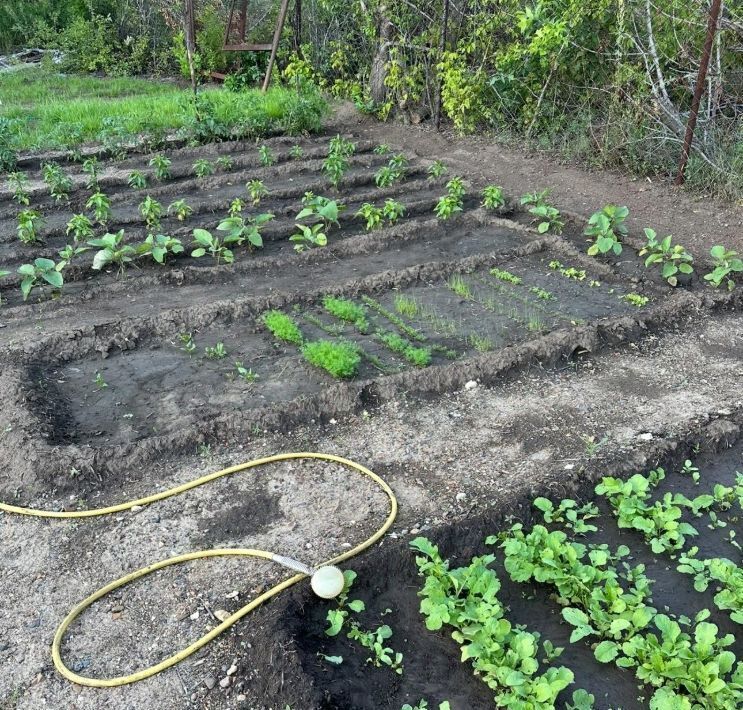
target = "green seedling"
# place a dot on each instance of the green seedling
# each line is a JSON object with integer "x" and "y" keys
{"x": 347, "y": 311}
{"x": 541, "y": 294}
{"x": 181, "y": 209}
{"x": 161, "y": 166}
{"x": 398, "y": 322}
{"x": 340, "y": 359}
{"x": 418, "y": 356}
{"x": 203, "y": 168}
{"x": 101, "y": 207}
{"x": 80, "y": 227}
{"x": 218, "y": 352}
{"x": 257, "y": 191}
{"x": 393, "y": 210}
{"x": 447, "y": 206}
{"x": 635, "y": 299}
{"x": 605, "y": 229}
{"x": 372, "y": 214}
{"x": 266, "y": 156}
{"x": 206, "y": 243}
{"x": 137, "y": 180}
{"x": 18, "y": 183}
{"x": 308, "y": 237}
{"x": 112, "y": 250}
{"x": 726, "y": 264}
{"x": 41, "y": 271}
{"x": 547, "y": 219}
{"x": 492, "y": 197}
{"x": 158, "y": 246}
{"x": 382, "y": 149}
{"x": 535, "y": 198}
{"x": 506, "y": 276}
{"x": 245, "y": 374}
{"x": 59, "y": 184}
{"x": 99, "y": 382}
{"x": 690, "y": 469}
{"x": 335, "y": 167}
{"x": 68, "y": 254}
{"x": 569, "y": 272}
{"x": 283, "y": 327}
{"x": 187, "y": 343}
{"x": 406, "y": 306}
{"x": 225, "y": 163}
{"x": 29, "y": 223}
{"x": 239, "y": 230}
{"x": 341, "y": 146}
{"x": 391, "y": 173}
{"x": 90, "y": 168}
{"x": 320, "y": 208}
{"x": 296, "y": 152}
{"x": 480, "y": 343}
{"x": 236, "y": 207}
{"x": 458, "y": 285}
{"x": 151, "y": 211}
{"x": 436, "y": 170}
{"x": 568, "y": 513}
{"x": 673, "y": 259}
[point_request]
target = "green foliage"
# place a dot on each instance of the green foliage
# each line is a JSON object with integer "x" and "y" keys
{"x": 636, "y": 299}
{"x": 68, "y": 253}
{"x": 80, "y": 227}
{"x": 39, "y": 272}
{"x": 240, "y": 230}
{"x": 90, "y": 168}
{"x": 296, "y": 152}
{"x": 309, "y": 236}
{"x": 372, "y": 214}
{"x": 506, "y": 276}
{"x": 568, "y": 513}
{"x": 266, "y": 156}
{"x": 203, "y": 168}
{"x": 207, "y": 243}
{"x": 605, "y": 228}
{"x": 151, "y": 210}
{"x": 283, "y": 327}
{"x": 347, "y": 311}
{"x": 257, "y": 191}
{"x": 723, "y": 574}
{"x": 673, "y": 259}
{"x": 393, "y": 210}
{"x": 436, "y": 170}
{"x": 547, "y": 218}
{"x": 726, "y": 264}
{"x": 101, "y": 207}
{"x": 245, "y": 374}
{"x": 29, "y": 223}
{"x": 492, "y": 197}
{"x": 398, "y": 322}
{"x": 137, "y": 180}
{"x": 112, "y": 250}
{"x": 340, "y": 359}
{"x": 391, "y": 173}
{"x": 216, "y": 352}
{"x": 225, "y": 163}
{"x": 181, "y": 209}
{"x": 406, "y": 306}
{"x": 569, "y": 272}
{"x": 59, "y": 184}
{"x": 158, "y": 246}
{"x": 458, "y": 285}
{"x": 18, "y": 183}
{"x": 503, "y": 655}
{"x": 161, "y": 165}
{"x": 418, "y": 356}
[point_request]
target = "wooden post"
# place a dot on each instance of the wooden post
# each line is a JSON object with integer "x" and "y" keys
{"x": 276, "y": 39}
{"x": 714, "y": 15}
{"x": 190, "y": 36}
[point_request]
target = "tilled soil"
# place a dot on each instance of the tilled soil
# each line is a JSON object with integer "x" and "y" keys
{"x": 462, "y": 442}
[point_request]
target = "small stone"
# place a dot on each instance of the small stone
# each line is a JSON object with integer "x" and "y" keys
{"x": 241, "y": 698}
{"x": 225, "y": 682}
{"x": 333, "y": 421}
{"x": 221, "y": 614}
{"x": 569, "y": 466}
{"x": 647, "y": 436}
{"x": 461, "y": 496}
{"x": 194, "y": 616}
{"x": 470, "y": 385}
{"x": 232, "y": 670}
{"x": 210, "y": 681}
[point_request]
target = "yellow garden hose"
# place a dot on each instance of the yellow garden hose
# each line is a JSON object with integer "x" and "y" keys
{"x": 234, "y": 618}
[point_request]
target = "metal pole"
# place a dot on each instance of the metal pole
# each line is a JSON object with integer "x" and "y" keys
{"x": 442, "y": 47}
{"x": 714, "y": 15}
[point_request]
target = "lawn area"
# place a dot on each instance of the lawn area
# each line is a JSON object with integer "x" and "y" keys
{"x": 47, "y": 110}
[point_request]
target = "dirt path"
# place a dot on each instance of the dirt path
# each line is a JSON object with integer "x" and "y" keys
{"x": 696, "y": 222}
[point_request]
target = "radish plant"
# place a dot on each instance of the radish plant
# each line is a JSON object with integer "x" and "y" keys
{"x": 101, "y": 207}
{"x": 112, "y": 249}
{"x": 39, "y": 272}
{"x": 673, "y": 259}
{"x": 727, "y": 264}
{"x": 257, "y": 191}
{"x": 29, "y": 223}
{"x": 151, "y": 210}
{"x": 137, "y": 180}
{"x": 18, "y": 183}
{"x": 80, "y": 227}
{"x": 181, "y": 209}
{"x": 161, "y": 166}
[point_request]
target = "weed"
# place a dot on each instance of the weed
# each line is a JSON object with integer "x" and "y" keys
{"x": 137, "y": 180}
{"x": 436, "y": 170}
{"x": 418, "y": 356}
{"x": 266, "y": 156}
{"x": 673, "y": 259}
{"x": 112, "y": 250}
{"x": 257, "y": 191}
{"x": 635, "y": 299}
{"x": 506, "y": 276}
{"x": 18, "y": 183}
{"x": 296, "y": 152}
{"x": 458, "y": 285}
{"x": 341, "y": 359}
{"x": 406, "y": 306}
{"x": 101, "y": 207}
{"x": 225, "y": 163}
{"x": 80, "y": 227}
{"x": 347, "y": 311}
{"x": 480, "y": 343}
{"x": 161, "y": 166}
{"x": 218, "y": 352}
{"x": 283, "y": 327}
{"x": 158, "y": 246}
{"x": 151, "y": 210}
{"x": 42, "y": 270}
{"x": 181, "y": 209}
{"x": 726, "y": 263}
{"x": 99, "y": 382}
{"x": 492, "y": 197}
{"x": 29, "y": 223}
{"x": 203, "y": 168}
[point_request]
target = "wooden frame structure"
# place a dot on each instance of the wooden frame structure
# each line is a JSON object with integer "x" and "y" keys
{"x": 237, "y": 24}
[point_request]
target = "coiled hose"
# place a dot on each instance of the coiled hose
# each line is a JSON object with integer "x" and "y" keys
{"x": 246, "y": 552}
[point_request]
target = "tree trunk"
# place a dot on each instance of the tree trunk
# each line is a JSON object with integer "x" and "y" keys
{"x": 378, "y": 73}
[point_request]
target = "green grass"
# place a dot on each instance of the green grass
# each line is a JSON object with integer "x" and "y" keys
{"x": 340, "y": 359}
{"x": 49, "y": 111}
